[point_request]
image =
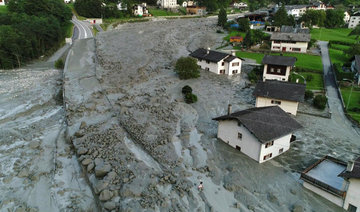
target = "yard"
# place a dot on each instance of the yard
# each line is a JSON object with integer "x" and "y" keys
{"x": 3, "y": 9}
{"x": 234, "y": 33}
{"x": 338, "y": 56}
{"x": 315, "y": 83}
{"x": 339, "y": 34}
{"x": 160, "y": 12}
{"x": 353, "y": 102}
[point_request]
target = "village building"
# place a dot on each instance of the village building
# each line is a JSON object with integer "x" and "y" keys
{"x": 296, "y": 10}
{"x": 336, "y": 181}
{"x": 320, "y": 6}
{"x": 354, "y": 20}
{"x": 196, "y": 10}
{"x": 291, "y": 29}
{"x": 346, "y": 17}
{"x": 289, "y": 42}
{"x": 140, "y": 10}
{"x": 188, "y": 3}
{"x": 121, "y": 6}
{"x": 261, "y": 133}
{"x": 240, "y": 5}
{"x": 277, "y": 67}
{"x": 236, "y": 39}
{"x": 217, "y": 62}
{"x": 355, "y": 67}
{"x": 286, "y": 95}
{"x": 167, "y": 4}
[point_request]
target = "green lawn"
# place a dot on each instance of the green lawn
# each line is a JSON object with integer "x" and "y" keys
{"x": 303, "y": 60}
{"x": 354, "y": 101}
{"x": 69, "y": 29}
{"x": 316, "y": 83}
{"x": 3, "y": 9}
{"x": 159, "y": 12}
{"x": 340, "y": 34}
{"x": 338, "y": 56}
{"x": 234, "y": 33}
{"x": 340, "y": 47}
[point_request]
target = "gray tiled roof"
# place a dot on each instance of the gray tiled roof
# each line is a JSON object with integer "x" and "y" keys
{"x": 282, "y": 36}
{"x": 355, "y": 173}
{"x": 212, "y": 56}
{"x": 265, "y": 123}
{"x": 290, "y": 29}
{"x": 291, "y": 7}
{"x": 280, "y": 90}
{"x": 279, "y": 60}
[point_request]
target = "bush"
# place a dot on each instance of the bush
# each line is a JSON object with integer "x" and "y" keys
{"x": 340, "y": 74}
{"x": 309, "y": 94}
{"x": 255, "y": 74}
{"x": 309, "y": 78}
{"x": 190, "y": 98}
{"x": 320, "y": 101}
{"x": 219, "y": 31}
{"x": 59, "y": 64}
{"x": 187, "y": 68}
{"x": 186, "y": 89}
{"x": 355, "y": 109}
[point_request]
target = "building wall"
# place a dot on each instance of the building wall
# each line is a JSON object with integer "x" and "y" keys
{"x": 216, "y": 67}
{"x": 332, "y": 198}
{"x": 213, "y": 67}
{"x": 289, "y": 47}
{"x": 267, "y": 76}
{"x": 2, "y": 2}
{"x": 353, "y": 194}
{"x": 229, "y": 68}
{"x": 354, "y": 21}
{"x": 281, "y": 143}
{"x": 287, "y": 106}
{"x": 169, "y": 4}
{"x": 228, "y": 132}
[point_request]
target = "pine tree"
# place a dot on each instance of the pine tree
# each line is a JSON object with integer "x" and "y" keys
{"x": 222, "y": 17}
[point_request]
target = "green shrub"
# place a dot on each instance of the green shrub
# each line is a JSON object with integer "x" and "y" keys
{"x": 309, "y": 78}
{"x": 187, "y": 68}
{"x": 59, "y": 64}
{"x": 186, "y": 89}
{"x": 219, "y": 31}
{"x": 340, "y": 74}
{"x": 309, "y": 94}
{"x": 255, "y": 74}
{"x": 320, "y": 101}
{"x": 190, "y": 98}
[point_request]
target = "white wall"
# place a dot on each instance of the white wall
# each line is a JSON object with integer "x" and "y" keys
{"x": 230, "y": 68}
{"x": 168, "y": 3}
{"x": 353, "y": 194}
{"x": 228, "y": 132}
{"x": 216, "y": 67}
{"x": 354, "y": 21}
{"x": 2, "y": 2}
{"x": 336, "y": 200}
{"x": 287, "y": 106}
{"x": 281, "y": 143}
{"x": 213, "y": 67}
{"x": 267, "y": 76}
{"x": 289, "y": 46}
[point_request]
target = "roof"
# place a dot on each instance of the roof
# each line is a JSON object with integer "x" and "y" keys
{"x": 292, "y": 7}
{"x": 283, "y": 36}
{"x": 290, "y": 29}
{"x": 280, "y": 90}
{"x": 355, "y": 173}
{"x": 279, "y": 60}
{"x": 213, "y": 56}
{"x": 265, "y": 123}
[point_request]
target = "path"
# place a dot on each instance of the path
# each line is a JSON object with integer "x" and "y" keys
{"x": 83, "y": 31}
{"x": 336, "y": 109}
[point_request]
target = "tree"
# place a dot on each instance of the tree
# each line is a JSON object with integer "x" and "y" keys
{"x": 282, "y": 18}
{"x": 244, "y": 25}
{"x": 248, "y": 40}
{"x": 355, "y": 31}
{"x": 187, "y": 68}
{"x": 222, "y": 17}
{"x": 186, "y": 89}
{"x": 354, "y": 50}
{"x": 334, "y": 18}
{"x": 313, "y": 18}
{"x": 308, "y": 94}
{"x": 320, "y": 101}
{"x": 89, "y": 8}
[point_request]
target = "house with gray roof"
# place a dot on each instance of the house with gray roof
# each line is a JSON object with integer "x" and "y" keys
{"x": 296, "y": 10}
{"x": 277, "y": 67}
{"x": 261, "y": 133}
{"x": 217, "y": 62}
{"x": 336, "y": 181}
{"x": 290, "y": 42}
{"x": 286, "y": 95}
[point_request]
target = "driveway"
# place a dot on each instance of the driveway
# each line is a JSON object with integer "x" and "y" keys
{"x": 336, "y": 109}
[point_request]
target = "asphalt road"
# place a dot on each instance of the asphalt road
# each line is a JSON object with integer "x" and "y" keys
{"x": 82, "y": 29}
{"x": 336, "y": 109}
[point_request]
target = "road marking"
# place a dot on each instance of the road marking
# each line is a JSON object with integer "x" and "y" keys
{"x": 80, "y": 24}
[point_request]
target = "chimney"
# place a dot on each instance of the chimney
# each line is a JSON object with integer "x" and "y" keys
{"x": 208, "y": 50}
{"x": 350, "y": 166}
{"x": 297, "y": 80}
{"x": 229, "y": 109}
{"x": 232, "y": 52}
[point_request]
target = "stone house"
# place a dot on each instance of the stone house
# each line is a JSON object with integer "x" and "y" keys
{"x": 290, "y": 42}
{"x": 261, "y": 133}
{"x": 217, "y": 62}
{"x": 277, "y": 67}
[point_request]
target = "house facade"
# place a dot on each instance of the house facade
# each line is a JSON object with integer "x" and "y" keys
{"x": 320, "y": 6}
{"x": 346, "y": 17}
{"x": 277, "y": 67}
{"x": 295, "y": 10}
{"x": 217, "y": 62}
{"x": 354, "y": 20}
{"x": 286, "y": 95}
{"x": 167, "y": 4}
{"x": 336, "y": 181}
{"x": 247, "y": 131}
{"x": 240, "y": 5}
{"x": 289, "y": 42}
{"x": 140, "y": 10}
{"x": 355, "y": 67}
{"x": 196, "y": 10}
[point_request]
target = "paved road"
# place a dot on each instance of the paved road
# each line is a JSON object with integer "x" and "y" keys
{"x": 336, "y": 109}
{"x": 83, "y": 29}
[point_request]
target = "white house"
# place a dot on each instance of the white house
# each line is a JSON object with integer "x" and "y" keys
{"x": 354, "y": 20}
{"x": 188, "y": 4}
{"x": 346, "y": 17}
{"x": 290, "y": 42}
{"x": 277, "y": 67}
{"x": 261, "y": 133}
{"x": 286, "y": 95}
{"x": 336, "y": 181}
{"x": 140, "y": 9}
{"x": 167, "y": 4}
{"x": 355, "y": 67}
{"x": 320, "y": 6}
{"x": 217, "y": 62}
{"x": 295, "y": 10}
{"x": 66, "y": 1}
{"x": 121, "y": 6}
{"x": 240, "y": 5}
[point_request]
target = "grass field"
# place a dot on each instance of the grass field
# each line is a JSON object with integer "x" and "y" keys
{"x": 69, "y": 30}
{"x": 354, "y": 101}
{"x": 303, "y": 60}
{"x": 340, "y": 47}
{"x": 3, "y": 9}
{"x": 340, "y": 34}
{"x": 159, "y": 12}
{"x": 338, "y": 56}
{"x": 316, "y": 83}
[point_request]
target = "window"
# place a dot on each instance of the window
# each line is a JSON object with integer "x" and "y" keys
{"x": 235, "y": 64}
{"x": 223, "y": 63}
{"x": 272, "y": 70}
{"x": 207, "y": 62}
{"x": 269, "y": 144}
{"x": 276, "y": 41}
{"x": 351, "y": 208}
{"x": 207, "y": 69}
{"x": 268, "y": 156}
{"x": 235, "y": 71}
{"x": 222, "y": 71}
{"x": 238, "y": 148}
{"x": 200, "y": 60}
{"x": 278, "y": 70}
{"x": 276, "y": 102}
{"x": 296, "y": 49}
{"x": 239, "y": 136}
{"x": 281, "y": 150}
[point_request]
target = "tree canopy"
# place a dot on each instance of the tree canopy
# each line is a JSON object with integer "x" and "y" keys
{"x": 282, "y": 18}
{"x": 222, "y": 17}
{"x": 334, "y": 18}
{"x": 187, "y": 68}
